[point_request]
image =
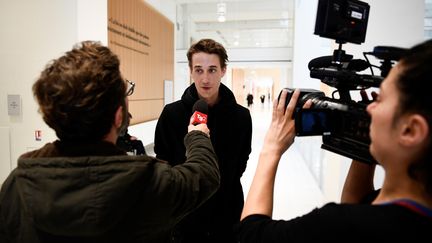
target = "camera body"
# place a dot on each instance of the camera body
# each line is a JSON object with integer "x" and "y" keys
{"x": 343, "y": 125}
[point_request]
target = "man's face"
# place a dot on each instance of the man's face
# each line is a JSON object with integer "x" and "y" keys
{"x": 126, "y": 119}
{"x": 207, "y": 73}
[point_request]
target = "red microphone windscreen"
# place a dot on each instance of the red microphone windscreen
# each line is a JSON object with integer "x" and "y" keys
{"x": 200, "y": 110}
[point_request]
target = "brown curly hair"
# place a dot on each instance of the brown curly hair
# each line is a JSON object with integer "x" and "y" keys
{"x": 208, "y": 46}
{"x": 79, "y": 93}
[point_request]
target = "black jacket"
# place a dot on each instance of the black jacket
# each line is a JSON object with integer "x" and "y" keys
{"x": 230, "y": 127}
{"x": 78, "y": 192}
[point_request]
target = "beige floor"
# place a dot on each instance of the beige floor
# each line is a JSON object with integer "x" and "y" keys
{"x": 296, "y": 191}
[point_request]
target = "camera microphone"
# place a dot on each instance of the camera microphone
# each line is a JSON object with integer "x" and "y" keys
{"x": 321, "y": 62}
{"x": 200, "y": 110}
{"x": 388, "y": 52}
{"x": 357, "y": 65}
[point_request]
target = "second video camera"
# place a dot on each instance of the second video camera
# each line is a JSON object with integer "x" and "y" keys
{"x": 342, "y": 122}
{"x": 343, "y": 125}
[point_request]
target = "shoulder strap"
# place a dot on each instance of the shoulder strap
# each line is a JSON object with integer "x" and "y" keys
{"x": 414, "y": 206}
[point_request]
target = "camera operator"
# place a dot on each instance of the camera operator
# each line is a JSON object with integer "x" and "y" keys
{"x": 400, "y": 132}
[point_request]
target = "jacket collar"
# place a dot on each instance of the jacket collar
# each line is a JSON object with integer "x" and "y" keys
{"x": 75, "y": 149}
{"x": 190, "y": 96}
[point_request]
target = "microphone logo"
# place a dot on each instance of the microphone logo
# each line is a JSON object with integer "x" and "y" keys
{"x": 199, "y": 118}
{"x": 200, "y": 110}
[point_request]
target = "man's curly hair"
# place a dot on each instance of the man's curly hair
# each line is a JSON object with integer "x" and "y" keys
{"x": 79, "y": 93}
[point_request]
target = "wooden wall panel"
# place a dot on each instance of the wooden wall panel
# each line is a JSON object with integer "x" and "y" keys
{"x": 144, "y": 41}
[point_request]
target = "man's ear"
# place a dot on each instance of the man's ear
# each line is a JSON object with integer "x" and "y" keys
{"x": 414, "y": 130}
{"x": 118, "y": 117}
{"x": 224, "y": 71}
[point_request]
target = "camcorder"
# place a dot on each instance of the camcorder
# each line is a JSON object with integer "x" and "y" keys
{"x": 342, "y": 122}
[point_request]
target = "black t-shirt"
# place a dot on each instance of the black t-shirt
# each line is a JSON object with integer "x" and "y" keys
{"x": 340, "y": 223}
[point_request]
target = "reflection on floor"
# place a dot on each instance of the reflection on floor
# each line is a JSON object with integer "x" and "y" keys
{"x": 296, "y": 191}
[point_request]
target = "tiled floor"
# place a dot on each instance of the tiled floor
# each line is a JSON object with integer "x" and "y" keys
{"x": 296, "y": 191}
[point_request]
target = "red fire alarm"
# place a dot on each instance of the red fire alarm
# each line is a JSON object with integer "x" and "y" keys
{"x": 38, "y": 135}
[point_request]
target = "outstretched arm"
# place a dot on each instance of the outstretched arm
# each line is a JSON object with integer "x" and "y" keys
{"x": 278, "y": 139}
{"x": 358, "y": 183}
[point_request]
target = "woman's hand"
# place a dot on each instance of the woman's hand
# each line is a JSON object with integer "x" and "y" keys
{"x": 281, "y": 133}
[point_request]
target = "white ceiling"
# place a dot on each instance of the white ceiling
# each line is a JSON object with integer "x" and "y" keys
{"x": 249, "y": 23}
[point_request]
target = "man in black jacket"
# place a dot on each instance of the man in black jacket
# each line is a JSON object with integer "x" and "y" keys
{"x": 231, "y": 135}
{"x": 82, "y": 188}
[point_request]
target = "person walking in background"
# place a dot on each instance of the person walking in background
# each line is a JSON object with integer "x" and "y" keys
{"x": 249, "y": 99}
{"x": 231, "y": 134}
{"x": 262, "y": 98}
{"x": 401, "y": 142}
{"x": 82, "y": 187}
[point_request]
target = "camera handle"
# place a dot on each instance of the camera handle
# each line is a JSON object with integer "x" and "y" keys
{"x": 344, "y": 94}
{"x": 339, "y": 55}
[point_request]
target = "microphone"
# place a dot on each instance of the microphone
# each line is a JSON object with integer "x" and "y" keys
{"x": 200, "y": 110}
{"x": 388, "y": 52}
{"x": 357, "y": 65}
{"x": 321, "y": 62}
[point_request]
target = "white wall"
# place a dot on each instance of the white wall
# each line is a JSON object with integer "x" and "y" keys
{"x": 306, "y": 45}
{"x": 32, "y": 33}
{"x": 92, "y": 20}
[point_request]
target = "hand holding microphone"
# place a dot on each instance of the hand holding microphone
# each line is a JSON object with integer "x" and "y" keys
{"x": 198, "y": 119}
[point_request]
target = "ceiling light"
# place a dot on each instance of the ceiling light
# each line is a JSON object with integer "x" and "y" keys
{"x": 221, "y": 11}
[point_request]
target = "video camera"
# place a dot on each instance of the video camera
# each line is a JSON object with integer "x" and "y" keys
{"x": 342, "y": 122}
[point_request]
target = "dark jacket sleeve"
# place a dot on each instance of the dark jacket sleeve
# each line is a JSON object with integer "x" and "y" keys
{"x": 190, "y": 184}
{"x": 8, "y": 220}
{"x": 170, "y": 131}
{"x": 247, "y": 142}
{"x": 2, "y": 225}
{"x": 161, "y": 144}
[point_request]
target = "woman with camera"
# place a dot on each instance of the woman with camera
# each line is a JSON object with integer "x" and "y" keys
{"x": 400, "y": 132}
